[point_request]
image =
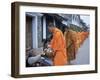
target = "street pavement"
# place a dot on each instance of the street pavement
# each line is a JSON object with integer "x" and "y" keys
{"x": 82, "y": 56}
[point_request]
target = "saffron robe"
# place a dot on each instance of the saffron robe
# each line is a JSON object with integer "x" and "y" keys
{"x": 59, "y": 47}
{"x": 70, "y": 37}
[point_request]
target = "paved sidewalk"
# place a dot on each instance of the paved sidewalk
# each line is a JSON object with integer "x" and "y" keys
{"x": 82, "y": 56}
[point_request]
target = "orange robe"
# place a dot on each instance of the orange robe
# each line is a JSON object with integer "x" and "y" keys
{"x": 59, "y": 47}
{"x": 71, "y": 47}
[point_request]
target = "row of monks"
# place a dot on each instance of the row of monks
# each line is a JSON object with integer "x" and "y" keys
{"x": 74, "y": 40}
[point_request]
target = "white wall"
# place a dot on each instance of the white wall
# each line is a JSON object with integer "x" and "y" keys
{"x": 5, "y": 40}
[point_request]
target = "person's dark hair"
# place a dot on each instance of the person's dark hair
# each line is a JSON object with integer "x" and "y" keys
{"x": 47, "y": 40}
{"x": 66, "y": 28}
{"x": 50, "y": 25}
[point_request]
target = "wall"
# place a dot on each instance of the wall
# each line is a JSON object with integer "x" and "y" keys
{"x": 29, "y": 32}
{"x": 5, "y": 40}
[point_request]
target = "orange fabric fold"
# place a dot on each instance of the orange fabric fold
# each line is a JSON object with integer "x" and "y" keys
{"x": 59, "y": 47}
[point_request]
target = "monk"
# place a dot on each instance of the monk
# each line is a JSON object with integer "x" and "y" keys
{"x": 81, "y": 37}
{"x": 58, "y": 45}
{"x": 70, "y": 38}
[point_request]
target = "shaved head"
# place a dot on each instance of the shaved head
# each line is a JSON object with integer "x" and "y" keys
{"x": 51, "y": 25}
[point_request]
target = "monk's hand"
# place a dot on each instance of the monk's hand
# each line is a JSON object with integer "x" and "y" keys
{"x": 49, "y": 46}
{"x": 48, "y": 52}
